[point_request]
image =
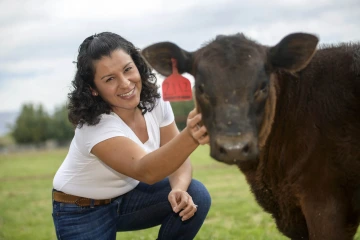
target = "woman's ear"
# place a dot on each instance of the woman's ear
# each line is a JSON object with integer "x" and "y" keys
{"x": 93, "y": 92}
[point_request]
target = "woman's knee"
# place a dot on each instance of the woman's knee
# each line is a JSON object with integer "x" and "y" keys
{"x": 199, "y": 194}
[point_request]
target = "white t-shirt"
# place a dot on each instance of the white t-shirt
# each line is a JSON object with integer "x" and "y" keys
{"x": 83, "y": 174}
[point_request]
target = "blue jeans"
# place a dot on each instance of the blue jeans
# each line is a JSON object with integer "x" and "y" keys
{"x": 144, "y": 207}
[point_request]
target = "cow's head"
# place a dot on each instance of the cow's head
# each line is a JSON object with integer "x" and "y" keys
{"x": 235, "y": 87}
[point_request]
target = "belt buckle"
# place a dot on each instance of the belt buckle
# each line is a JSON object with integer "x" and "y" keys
{"x": 77, "y": 202}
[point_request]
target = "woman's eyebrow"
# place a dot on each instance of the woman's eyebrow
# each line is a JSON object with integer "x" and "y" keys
{"x": 112, "y": 74}
{"x": 106, "y": 76}
{"x": 127, "y": 65}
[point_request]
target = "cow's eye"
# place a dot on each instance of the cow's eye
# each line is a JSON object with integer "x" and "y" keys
{"x": 261, "y": 93}
{"x": 263, "y": 87}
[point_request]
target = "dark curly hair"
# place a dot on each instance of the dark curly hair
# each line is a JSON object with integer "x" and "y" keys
{"x": 86, "y": 108}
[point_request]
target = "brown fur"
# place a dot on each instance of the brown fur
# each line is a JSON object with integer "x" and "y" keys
{"x": 308, "y": 175}
{"x": 297, "y": 141}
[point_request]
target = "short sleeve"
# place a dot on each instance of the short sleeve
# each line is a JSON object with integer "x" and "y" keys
{"x": 167, "y": 113}
{"x": 109, "y": 126}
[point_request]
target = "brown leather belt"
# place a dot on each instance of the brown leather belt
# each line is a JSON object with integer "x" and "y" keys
{"x": 80, "y": 201}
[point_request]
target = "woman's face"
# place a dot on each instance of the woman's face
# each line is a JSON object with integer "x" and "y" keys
{"x": 118, "y": 81}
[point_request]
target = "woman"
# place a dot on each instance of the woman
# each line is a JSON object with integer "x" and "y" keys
{"x": 127, "y": 167}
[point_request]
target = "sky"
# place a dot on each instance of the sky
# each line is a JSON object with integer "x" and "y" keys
{"x": 39, "y": 39}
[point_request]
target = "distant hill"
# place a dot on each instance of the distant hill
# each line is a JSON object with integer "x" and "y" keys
{"x": 7, "y": 118}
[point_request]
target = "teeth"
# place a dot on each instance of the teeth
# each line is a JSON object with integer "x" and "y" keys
{"x": 127, "y": 94}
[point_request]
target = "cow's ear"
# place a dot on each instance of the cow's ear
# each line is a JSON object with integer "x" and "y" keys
{"x": 159, "y": 57}
{"x": 293, "y": 52}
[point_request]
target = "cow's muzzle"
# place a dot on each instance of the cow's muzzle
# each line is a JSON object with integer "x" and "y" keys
{"x": 234, "y": 149}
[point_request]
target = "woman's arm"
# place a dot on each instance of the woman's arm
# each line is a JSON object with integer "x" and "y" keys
{"x": 128, "y": 158}
{"x": 181, "y": 178}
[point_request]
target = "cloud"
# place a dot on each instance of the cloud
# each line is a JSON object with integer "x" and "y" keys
{"x": 37, "y": 81}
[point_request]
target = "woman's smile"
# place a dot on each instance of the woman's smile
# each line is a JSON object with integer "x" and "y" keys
{"x": 128, "y": 94}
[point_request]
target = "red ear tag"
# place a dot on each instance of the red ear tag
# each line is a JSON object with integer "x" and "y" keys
{"x": 175, "y": 87}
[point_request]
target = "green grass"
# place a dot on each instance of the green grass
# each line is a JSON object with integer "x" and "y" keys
{"x": 25, "y": 200}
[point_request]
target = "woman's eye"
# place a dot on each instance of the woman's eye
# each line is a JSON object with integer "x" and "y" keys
{"x": 109, "y": 79}
{"x": 128, "y": 69}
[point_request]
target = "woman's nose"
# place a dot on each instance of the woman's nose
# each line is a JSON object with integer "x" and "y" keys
{"x": 123, "y": 82}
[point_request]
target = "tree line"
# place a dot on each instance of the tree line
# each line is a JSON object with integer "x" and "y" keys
{"x": 35, "y": 125}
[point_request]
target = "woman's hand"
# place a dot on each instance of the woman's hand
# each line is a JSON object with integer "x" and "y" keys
{"x": 182, "y": 202}
{"x": 199, "y": 133}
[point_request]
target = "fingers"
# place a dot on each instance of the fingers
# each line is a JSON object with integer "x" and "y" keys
{"x": 173, "y": 202}
{"x": 204, "y": 140}
{"x": 188, "y": 211}
{"x": 178, "y": 199}
{"x": 182, "y": 203}
{"x": 200, "y": 134}
{"x": 194, "y": 120}
{"x": 192, "y": 113}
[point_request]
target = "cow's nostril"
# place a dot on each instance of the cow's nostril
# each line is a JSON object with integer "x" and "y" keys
{"x": 228, "y": 148}
{"x": 222, "y": 150}
{"x": 246, "y": 149}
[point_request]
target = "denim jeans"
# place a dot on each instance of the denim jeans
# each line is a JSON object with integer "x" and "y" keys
{"x": 144, "y": 207}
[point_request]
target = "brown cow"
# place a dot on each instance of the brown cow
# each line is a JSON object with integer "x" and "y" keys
{"x": 289, "y": 117}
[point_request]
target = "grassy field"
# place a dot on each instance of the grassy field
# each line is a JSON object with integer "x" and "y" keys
{"x": 25, "y": 200}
